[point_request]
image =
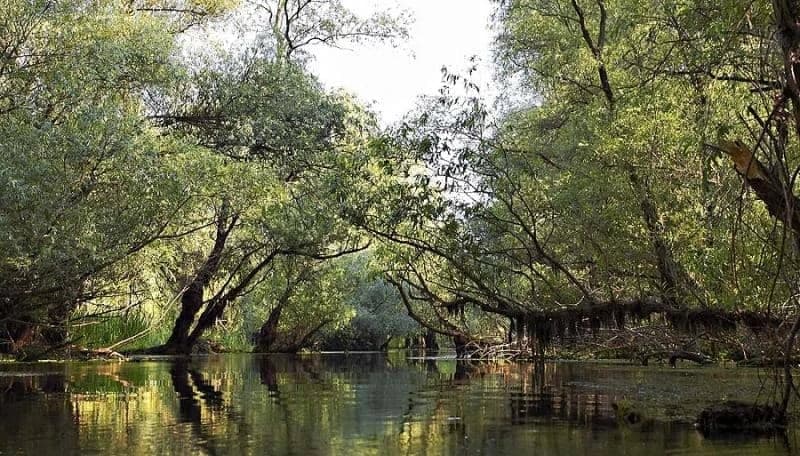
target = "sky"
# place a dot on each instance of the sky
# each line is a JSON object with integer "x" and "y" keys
{"x": 390, "y": 79}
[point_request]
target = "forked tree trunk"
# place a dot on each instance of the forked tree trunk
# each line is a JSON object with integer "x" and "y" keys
{"x": 191, "y": 303}
{"x": 268, "y": 333}
{"x": 192, "y": 298}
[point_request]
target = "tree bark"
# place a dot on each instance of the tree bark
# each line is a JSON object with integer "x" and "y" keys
{"x": 265, "y": 338}
{"x": 781, "y": 203}
{"x": 673, "y": 277}
{"x": 17, "y": 333}
{"x": 301, "y": 343}
{"x": 431, "y": 344}
{"x": 269, "y": 331}
{"x": 192, "y": 298}
{"x": 778, "y": 194}
{"x": 460, "y": 342}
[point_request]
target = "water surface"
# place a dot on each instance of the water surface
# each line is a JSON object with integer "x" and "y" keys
{"x": 363, "y": 404}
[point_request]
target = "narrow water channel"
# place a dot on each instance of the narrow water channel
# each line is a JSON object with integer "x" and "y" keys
{"x": 362, "y": 404}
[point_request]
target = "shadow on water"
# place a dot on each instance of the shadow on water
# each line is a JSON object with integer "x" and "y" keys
{"x": 269, "y": 375}
{"x": 24, "y": 426}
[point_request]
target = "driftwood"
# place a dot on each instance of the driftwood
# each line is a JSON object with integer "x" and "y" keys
{"x": 674, "y": 356}
{"x": 102, "y": 353}
{"x": 71, "y": 351}
{"x": 504, "y": 351}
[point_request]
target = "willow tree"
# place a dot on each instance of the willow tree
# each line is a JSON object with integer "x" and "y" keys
{"x": 598, "y": 201}
{"x": 86, "y": 181}
{"x": 279, "y": 140}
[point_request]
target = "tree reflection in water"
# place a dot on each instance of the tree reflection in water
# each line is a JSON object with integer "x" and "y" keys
{"x": 358, "y": 404}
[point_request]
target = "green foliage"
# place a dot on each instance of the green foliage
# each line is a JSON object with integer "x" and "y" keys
{"x": 378, "y": 312}
{"x": 105, "y": 332}
{"x": 289, "y": 27}
{"x": 132, "y": 172}
{"x": 86, "y": 182}
{"x": 597, "y": 183}
{"x": 122, "y": 161}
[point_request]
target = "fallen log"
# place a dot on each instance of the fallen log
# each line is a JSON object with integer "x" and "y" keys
{"x": 546, "y": 325}
{"x": 698, "y": 358}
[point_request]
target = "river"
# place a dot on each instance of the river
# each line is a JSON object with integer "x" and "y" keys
{"x": 365, "y": 404}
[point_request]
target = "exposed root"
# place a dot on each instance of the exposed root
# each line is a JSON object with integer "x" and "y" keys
{"x": 559, "y": 325}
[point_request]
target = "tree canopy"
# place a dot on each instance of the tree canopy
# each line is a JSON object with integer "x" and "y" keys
{"x": 638, "y": 170}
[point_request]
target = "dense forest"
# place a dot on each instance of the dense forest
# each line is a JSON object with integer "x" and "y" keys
{"x": 174, "y": 178}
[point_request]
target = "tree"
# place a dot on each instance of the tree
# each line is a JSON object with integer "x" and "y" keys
{"x": 290, "y": 27}
{"x": 379, "y": 316}
{"x": 514, "y": 221}
{"x": 283, "y": 142}
{"x": 87, "y": 183}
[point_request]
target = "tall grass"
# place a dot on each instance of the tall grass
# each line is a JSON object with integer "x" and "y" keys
{"x": 105, "y": 331}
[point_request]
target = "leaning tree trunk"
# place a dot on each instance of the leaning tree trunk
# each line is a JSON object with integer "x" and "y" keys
{"x": 192, "y": 298}
{"x": 303, "y": 342}
{"x": 787, "y": 19}
{"x": 268, "y": 332}
{"x": 294, "y": 342}
{"x": 673, "y": 277}
{"x": 216, "y": 305}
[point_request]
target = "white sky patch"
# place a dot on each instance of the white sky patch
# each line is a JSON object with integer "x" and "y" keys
{"x": 390, "y": 79}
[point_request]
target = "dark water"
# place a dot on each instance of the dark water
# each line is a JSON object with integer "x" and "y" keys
{"x": 364, "y": 405}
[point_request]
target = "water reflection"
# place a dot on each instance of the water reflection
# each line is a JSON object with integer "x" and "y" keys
{"x": 186, "y": 382}
{"x": 361, "y": 404}
{"x": 18, "y": 387}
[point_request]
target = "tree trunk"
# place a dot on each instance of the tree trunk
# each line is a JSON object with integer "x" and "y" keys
{"x": 673, "y": 277}
{"x": 431, "y": 344}
{"x": 191, "y": 302}
{"x": 302, "y": 342}
{"x": 56, "y": 333}
{"x": 269, "y": 331}
{"x": 16, "y": 334}
{"x": 45, "y": 323}
{"x": 305, "y": 339}
{"x": 460, "y": 343}
{"x": 213, "y": 312}
{"x": 192, "y": 297}
{"x": 788, "y": 21}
